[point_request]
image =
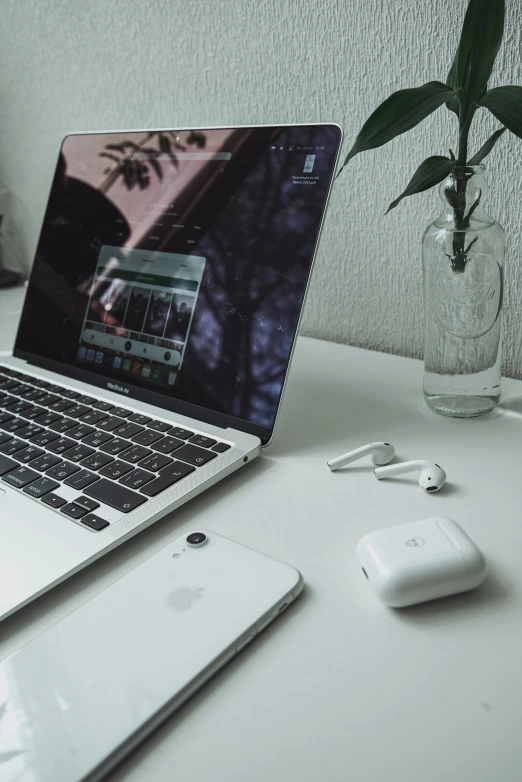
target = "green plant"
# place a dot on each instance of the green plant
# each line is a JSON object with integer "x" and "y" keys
{"x": 464, "y": 92}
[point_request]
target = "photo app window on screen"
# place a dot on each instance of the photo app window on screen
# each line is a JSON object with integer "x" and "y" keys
{"x": 177, "y": 261}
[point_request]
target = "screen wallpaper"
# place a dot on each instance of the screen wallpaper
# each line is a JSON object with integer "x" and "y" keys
{"x": 177, "y": 261}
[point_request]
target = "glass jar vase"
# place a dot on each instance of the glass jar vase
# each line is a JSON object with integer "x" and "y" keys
{"x": 463, "y": 260}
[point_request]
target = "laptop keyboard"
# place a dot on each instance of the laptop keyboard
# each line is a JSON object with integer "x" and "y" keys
{"x": 52, "y": 436}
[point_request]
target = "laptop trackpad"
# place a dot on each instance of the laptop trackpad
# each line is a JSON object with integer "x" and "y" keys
{"x": 38, "y": 547}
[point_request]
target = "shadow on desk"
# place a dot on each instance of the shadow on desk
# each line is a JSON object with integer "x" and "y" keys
{"x": 510, "y": 405}
{"x": 314, "y": 413}
{"x": 454, "y": 608}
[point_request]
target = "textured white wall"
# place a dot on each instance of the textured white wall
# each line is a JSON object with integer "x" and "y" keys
{"x": 70, "y": 65}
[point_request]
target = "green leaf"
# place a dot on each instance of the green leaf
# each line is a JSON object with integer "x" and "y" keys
{"x": 487, "y": 32}
{"x": 486, "y": 149}
{"x": 480, "y": 40}
{"x": 505, "y": 103}
{"x": 399, "y": 113}
{"x": 428, "y": 174}
{"x": 459, "y": 68}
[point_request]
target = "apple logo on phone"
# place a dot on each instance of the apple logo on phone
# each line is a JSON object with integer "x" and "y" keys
{"x": 184, "y": 597}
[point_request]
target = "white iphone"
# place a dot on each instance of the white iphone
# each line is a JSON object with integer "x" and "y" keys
{"x": 78, "y": 698}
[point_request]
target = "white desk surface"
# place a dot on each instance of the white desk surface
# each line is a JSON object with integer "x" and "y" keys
{"x": 342, "y": 688}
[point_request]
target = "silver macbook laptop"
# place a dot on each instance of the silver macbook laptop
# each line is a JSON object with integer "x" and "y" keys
{"x": 156, "y": 335}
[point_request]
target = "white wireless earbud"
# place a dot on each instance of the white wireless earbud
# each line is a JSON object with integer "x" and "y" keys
{"x": 431, "y": 478}
{"x": 380, "y": 453}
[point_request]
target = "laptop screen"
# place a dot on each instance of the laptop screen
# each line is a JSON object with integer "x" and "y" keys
{"x": 172, "y": 265}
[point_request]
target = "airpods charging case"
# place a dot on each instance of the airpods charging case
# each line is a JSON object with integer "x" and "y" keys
{"x": 419, "y": 561}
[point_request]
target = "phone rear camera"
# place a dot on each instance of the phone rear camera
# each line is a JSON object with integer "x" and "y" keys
{"x": 196, "y": 538}
{"x": 167, "y": 355}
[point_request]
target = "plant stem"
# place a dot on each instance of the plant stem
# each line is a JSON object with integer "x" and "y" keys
{"x": 465, "y": 117}
{"x": 459, "y": 260}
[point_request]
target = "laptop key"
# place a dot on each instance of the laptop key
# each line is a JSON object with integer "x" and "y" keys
{"x": 85, "y": 400}
{"x": 40, "y": 487}
{"x": 81, "y": 480}
{"x": 21, "y": 477}
{"x": 110, "y": 423}
{"x": 12, "y": 446}
{"x": 221, "y": 447}
{"x": 6, "y": 465}
{"x": 167, "y": 444}
{"x": 103, "y": 406}
{"x": 46, "y": 419}
{"x": 45, "y": 438}
{"x": 63, "y": 426}
{"x": 45, "y": 462}
{"x": 155, "y": 462}
{"x": 4, "y": 438}
{"x": 93, "y": 417}
{"x": 146, "y": 438}
{"x": 5, "y": 417}
{"x": 97, "y": 460}
{"x": 17, "y": 388}
{"x": 116, "y": 469}
{"x": 68, "y": 394}
{"x": 95, "y": 522}
{"x": 122, "y": 412}
{"x": 61, "y": 445}
{"x": 167, "y": 477}
{"x": 183, "y": 434}
{"x": 115, "y": 495}
{"x": 138, "y": 418}
{"x": 30, "y": 430}
{"x": 86, "y": 503}
{"x": 127, "y": 430}
{"x": 114, "y": 446}
{"x": 48, "y": 400}
{"x": 135, "y": 454}
{"x": 53, "y": 500}
{"x": 78, "y": 453}
{"x": 27, "y": 454}
{"x": 62, "y": 405}
{"x": 160, "y": 426}
{"x": 195, "y": 455}
{"x": 200, "y": 439}
{"x": 32, "y": 394}
{"x": 32, "y": 412}
{"x": 72, "y": 510}
{"x": 17, "y": 406}
{"x": 97, "y": 438}
{"x": 77, "y": 411}
{"x": 62, "y": 470}
{"x": 12, "y": 426}
{"x": 81, "y": 431}
{"x": 137, "y": 478}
